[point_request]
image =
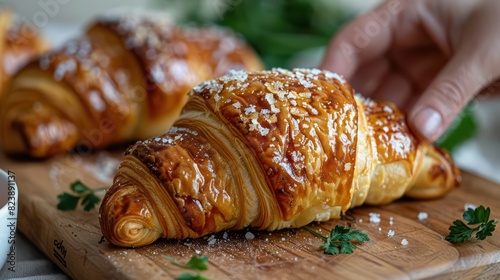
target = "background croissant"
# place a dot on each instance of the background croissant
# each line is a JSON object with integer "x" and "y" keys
{"x": 127, "y": 78}
{"x": 19, "y": 42}
{"x": 269, "y": 150}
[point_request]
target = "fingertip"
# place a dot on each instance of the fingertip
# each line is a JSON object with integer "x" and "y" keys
{"x": 457, "y": 83}
{"x": 339, "y": 57}
{"x": 362, "y": 40}
{"x": 427, "y": 122}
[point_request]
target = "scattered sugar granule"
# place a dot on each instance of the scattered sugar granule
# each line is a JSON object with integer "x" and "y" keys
{"x": 360, "y": 220}
{"x": 379, "y": 229}
{"x": 283, "y": 239}
{"x": 374, "y": 218}
{"x": 390, "y": 233}
{"x": 224, "y": 235}
{"x": 404, "y": 242}
{"x": 197, "y": 252}
{"x": 212, "y": 241}
{"x": 267, "y": 240}
{"x": 387, "y": 109}
{"x": 422, "y": 216}
{"x": 249, "y": 235}
{"x": 469, "y": 206}
{"x": 391, "y": 221}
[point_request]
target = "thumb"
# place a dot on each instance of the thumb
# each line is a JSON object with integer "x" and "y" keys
{"x": 457, "y": 83}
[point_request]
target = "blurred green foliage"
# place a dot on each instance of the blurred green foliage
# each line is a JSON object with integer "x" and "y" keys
{"x": 280, "y": 29}
{"x": 463, "y": 128}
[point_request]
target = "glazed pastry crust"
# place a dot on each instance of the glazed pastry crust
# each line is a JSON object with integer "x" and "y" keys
{"x": 19, "y": 42}
{"x": 127, "y": 78}
{"x": 270, "y": 150}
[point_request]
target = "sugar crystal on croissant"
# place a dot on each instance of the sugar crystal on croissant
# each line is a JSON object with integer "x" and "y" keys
{"x": 269, "y": 150}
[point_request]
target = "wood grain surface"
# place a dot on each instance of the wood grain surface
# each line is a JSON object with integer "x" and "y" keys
{"x": 72, "y": 239}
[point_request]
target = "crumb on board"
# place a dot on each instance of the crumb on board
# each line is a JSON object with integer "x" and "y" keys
{"x": 374, "y": 218}
{"x": 468, "y": 206}
{"x": 423, "y": 216}
{"x": 249, "y": 235}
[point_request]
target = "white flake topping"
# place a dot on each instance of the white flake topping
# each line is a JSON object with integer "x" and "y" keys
{"x": 347, "y": 166}
{"x": 250, "y": 109}
{"x": 235, "y": 75}
{"x": 306, "y": 83}
{"x": 332, "y": 75}
{"x": 388, "y": 109}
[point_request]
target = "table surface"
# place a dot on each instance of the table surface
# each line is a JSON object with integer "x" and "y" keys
{"x": 286, "y": 253}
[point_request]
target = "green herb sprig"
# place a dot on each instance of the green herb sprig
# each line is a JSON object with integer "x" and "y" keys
{"x": 340, "y": 239}
{"x": 86, "y": 195}
{"x": 460, "y": 232}
{"x": 196, "y": 263}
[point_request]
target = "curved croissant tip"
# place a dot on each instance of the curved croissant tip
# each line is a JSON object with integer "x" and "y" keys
{"x": 132, "y": 231}
{"x": 126, "y": 220}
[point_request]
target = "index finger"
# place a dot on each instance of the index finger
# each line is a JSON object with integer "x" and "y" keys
{"x": 364, "y": 39}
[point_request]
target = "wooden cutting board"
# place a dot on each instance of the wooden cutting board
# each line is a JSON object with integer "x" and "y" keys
{"x": 72, "y": 240}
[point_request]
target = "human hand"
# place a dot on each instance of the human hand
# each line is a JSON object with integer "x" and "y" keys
{"x": 429, "y": 57}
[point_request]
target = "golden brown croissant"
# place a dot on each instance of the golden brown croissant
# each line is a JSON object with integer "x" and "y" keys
{"x": 19, "y": 42}
{"x": 126, "y": 79}
{"x": 268, "y": 150}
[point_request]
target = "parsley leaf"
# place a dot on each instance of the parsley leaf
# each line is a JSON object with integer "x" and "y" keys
{"x": 190, "y": 276}
{"x": 78, "y": 187}
{"x": 196, "y": 263}
{"x": 67, "y": 202}
{"x": 340, "y": 239}
{"x": 460, "y": 232}
{"x": 89, "y": 200}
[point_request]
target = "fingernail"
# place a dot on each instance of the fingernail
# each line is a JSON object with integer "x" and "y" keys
{"x": 428, "y": 122}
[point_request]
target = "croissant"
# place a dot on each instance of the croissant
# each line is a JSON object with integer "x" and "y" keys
{"x": 269, "y": 150}
{"x": 126, "y": 79}
{"x": 19, "y": 42}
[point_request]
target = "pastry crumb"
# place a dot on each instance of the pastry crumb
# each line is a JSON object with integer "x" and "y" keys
{"x": 423, "y": 216}
{"x": 249, "y": 235}
{"x": 374, "y": 218}
{"x": 468, "y": 206}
